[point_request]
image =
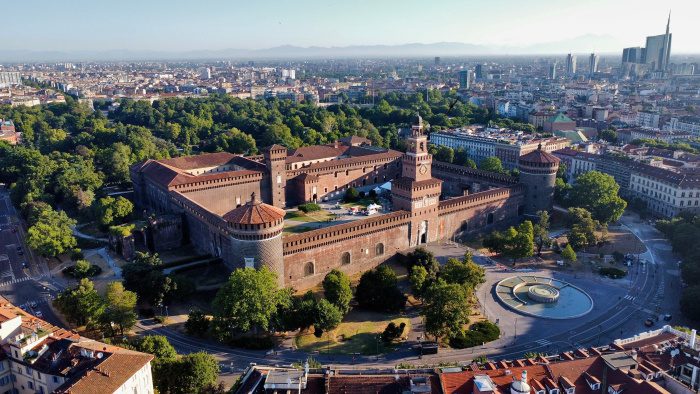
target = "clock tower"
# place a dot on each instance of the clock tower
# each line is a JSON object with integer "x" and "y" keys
{"x": 416, "y": 190}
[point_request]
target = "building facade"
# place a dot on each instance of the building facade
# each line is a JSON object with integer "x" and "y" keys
{"x": 216, "y": 195}
{"x": 41, "y": 358}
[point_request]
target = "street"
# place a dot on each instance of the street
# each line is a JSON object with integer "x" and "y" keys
{"x": 25, "y": 279}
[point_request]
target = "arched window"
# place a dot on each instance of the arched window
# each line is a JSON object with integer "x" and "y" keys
{"x": 345, "y": 258}
{"x": 379, "y": 249}
{"x": 309, "y": 269}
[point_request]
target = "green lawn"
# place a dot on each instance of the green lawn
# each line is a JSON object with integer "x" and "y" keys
{"x": 318, "y": 216}
{"x": 356, "y": 334}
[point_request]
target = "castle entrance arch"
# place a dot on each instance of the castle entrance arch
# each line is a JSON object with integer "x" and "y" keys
{"x": 423, "y": 232}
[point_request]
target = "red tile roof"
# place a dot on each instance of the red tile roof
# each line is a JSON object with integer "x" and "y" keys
{"x": 254, "y": 212}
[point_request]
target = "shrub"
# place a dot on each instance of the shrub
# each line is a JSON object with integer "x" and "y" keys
{"x": 392, "y": 332}
{"x": 479, "y": 334}
{"x": 82, "y": 269}
{"x": 612, "y": 272}
{"x": 309, "y": 207}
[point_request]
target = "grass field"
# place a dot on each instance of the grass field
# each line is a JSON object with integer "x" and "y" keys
{"x": 356, "y": 334}
{"x": 318, "y": 216}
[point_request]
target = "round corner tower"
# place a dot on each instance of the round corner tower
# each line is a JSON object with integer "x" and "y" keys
{"x": 538, "y": 172}
{"x": 256, "y": 236}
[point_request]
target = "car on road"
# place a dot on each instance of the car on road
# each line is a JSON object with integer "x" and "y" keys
{"x": 24, "y": 264}
{"x": 38, "y": 314}
{"x": 649, "y": 322}
{"x": 21, "y": 253}
{"x": 19, "y": 248}
{"x": 668, "y": 317}
{"x": 32, "y": 304}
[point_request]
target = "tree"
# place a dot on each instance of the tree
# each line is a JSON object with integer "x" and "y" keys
{"x": 157, "y": 345}
{"x": 191, "y": 373}
{"x": 120, "y": 308}
{"x": 522, "y": 243}
{"x": 247, "y": 301}
{"x": 419, "y": 278}
{"x": 326, "y": 316}
{"x": 609, "y": 135}
{"x": 81, "y": 269}
{"x": 235, "y": 141}
{"x": 197, "y": 323}
{"x": 336, "y": 287}
{"x": 145, "y": 277}
{"x": 378, "y": 290}
{"x": 351, "y": 195}
{"x": 392, "y": 331}
{"x": 541, "y": 231}
{"x": 110, "y": 210}
{"x": 51, "y": 235}
{"x": 424, "y": 258}
{"x": 463, "y": 272}
{"x": 492, "y": 164}
{"x": 81, "y": 305}
{"x": 445, "y": 309}
{"x": 597, "y": 193}
{"x": 583, "y": 228}
{"x": 568, "y": 253}
{"x": 444, "y": 154}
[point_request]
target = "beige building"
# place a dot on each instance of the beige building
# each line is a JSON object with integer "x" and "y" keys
{"x": 42, "y": 358}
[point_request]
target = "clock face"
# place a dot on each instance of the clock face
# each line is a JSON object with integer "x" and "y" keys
{"x": 423, "y": 169}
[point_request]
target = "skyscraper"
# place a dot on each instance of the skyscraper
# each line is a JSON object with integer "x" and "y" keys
{"x": 553, "y": 70}
{"x": 592, "y": 64}
{"x": 633, "y": 55}
{"x": 479, "y": 71}
{"x": 570, "y": 64}
{"x": 658, "y": 49}
{"x": 464, "y": 79}
{"x": 437, "y": 60}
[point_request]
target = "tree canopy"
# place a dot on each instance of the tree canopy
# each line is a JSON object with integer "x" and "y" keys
{"x": 597, "y": 193}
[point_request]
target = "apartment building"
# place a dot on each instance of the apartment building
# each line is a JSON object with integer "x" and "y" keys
{"x": 481, "y": 142}
{"x": 38, "y": 357}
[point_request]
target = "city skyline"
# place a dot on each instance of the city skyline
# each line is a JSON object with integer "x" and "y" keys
{"x": 508, "y": 28}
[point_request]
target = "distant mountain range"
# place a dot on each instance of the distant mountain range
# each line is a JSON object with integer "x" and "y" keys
{"x": 583, "y": 44}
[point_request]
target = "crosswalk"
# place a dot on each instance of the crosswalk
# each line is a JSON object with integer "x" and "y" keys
{"x": 18, "y": 280}
{"x": 543, "y": 342}
{"x": 630, "y": 297}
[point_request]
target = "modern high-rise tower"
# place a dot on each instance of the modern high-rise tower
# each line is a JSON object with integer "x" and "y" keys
{"x": 553, "y": 70}
{"x": 593, "y": 64}
{"x": 658, "y": 49}
{"x": 570, "y": 64}
{"x": 464, "y": 79}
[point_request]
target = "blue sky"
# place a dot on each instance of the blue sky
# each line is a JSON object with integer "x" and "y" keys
{"x": 174, "y": 25}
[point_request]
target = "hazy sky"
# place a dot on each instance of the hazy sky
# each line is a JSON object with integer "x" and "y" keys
{"x": 175, "y": 25}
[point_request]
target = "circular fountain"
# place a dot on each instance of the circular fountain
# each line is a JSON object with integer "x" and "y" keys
{"x": 543, "y": 297}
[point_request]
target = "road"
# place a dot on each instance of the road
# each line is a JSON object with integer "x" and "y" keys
{"x": 651, "y": 289}
{"x": 25, "y": 279}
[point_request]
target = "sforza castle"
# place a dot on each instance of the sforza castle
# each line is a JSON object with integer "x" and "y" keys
{"x": 233, "y": 206}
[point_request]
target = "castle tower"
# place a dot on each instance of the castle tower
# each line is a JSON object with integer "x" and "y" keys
{"x": 538, "y": 172}
{"x": 256, "y": 236}
{"x": 275, "y": 161}
{"x": 416, "y": 190}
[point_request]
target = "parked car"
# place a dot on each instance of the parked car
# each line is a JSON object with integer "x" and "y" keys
{"x": 649, "y": 322}
{"x": 38, "y": 314}
{"x": 668, "y": 317}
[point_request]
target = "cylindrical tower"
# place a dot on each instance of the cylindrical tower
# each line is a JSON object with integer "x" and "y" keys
{"x": 538, "y": 172}
{"x": 256, "y": 235}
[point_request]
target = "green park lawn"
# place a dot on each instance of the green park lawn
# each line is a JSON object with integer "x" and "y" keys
{"x": 356, "y": 334}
